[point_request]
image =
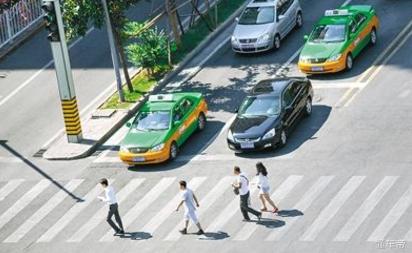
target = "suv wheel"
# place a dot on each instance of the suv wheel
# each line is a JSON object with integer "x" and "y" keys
{"x": 283, "y": 138}
{"x": 276, "y": 42}
{"x": 308, "y": 107}
{"x": 299, "y": 20}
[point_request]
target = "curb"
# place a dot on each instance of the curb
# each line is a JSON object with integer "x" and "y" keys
{"x": 160, "y": 85}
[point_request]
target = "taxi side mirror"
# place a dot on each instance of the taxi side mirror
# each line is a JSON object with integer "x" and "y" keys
{"x": 177, "y": 122}
{"x": 306, "y": 37}
{"x": 129, "y": 124}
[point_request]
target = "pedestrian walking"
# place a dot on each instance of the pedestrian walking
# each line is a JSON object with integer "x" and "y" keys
{"x": 264, "y": 188}
{"x": 189, "y": 200}
{"x": 241, "y": 187}
{"x": 110, "y": 198}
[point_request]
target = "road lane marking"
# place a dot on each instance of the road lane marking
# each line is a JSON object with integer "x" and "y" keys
{"x": 310, "y": 195}
{"x": 99, "y": 216}
{"x": 359, "y": 216}
{"x": 170, "y": 207}
{"x": 205, "y": 203}
{"x": 332, "y": 208}
{"x": 71, "y": 214}
{"x": 404, "y": 94}
{"x": 381, "y": 61}
{"x": 24, "y": 201}
{"x": 115, "y": 140}
{"x": 134, "y": 212}
{"x": 27, "y": 82}
{"x": 8, "y": 159}
{"x": 281, "y": 192}
{"x": 42, "y": 212}
{"x": 224, "y": 129}
{"x": 392, "y": 217}
{"x": 225, "y": 215}
{"x": 9, "y": 187}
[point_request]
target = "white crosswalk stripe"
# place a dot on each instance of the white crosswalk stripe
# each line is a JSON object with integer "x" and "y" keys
{"x": 170, "y": 207}
{"x": 230, "y": 210}
{"x": 9, "y": 187}
{"x": 365, "y": 209}
{"x": 43, "y": 211}
{"x": 307, "y": 199}
{"x": 280, "y": 193}
{"x": 392, "y": 217}
{"x": 141, "y": 205}
{"x": 332, "y": 208}
{"x": 205, "y": 203}
{"x": 75, "y": 210}
{"x": 23, "y": 202}
{"x": 102, "y": 212}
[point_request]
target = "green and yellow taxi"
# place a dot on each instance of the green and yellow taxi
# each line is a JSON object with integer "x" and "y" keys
{"x": 338, "y": 37}
{"x": 161, "y": 126}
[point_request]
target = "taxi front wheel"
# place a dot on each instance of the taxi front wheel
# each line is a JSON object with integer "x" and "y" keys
{"x": 173, "y": 151}
{"x": 349, "y": 62}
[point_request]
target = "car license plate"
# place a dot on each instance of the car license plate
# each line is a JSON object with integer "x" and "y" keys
{"x": 247, "y": 145}
{"x": 317, "y": 68}
{"x": 248, "y": 46}
{"x": 138, "y": 159}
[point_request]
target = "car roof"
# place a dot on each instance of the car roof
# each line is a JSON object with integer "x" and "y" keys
{"x": 262, "y": 3}
{"x": 274, "y": 86}
{"x": 338, "y": 19}
{"x": 166, "y": 102}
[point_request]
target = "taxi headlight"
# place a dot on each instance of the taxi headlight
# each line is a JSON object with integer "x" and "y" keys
{"x": 124, "y": 149}
{"x": 304, "y": 59}
{"x": 270, "y": 134}
{"x": 158, "y": 147}
{"x": 335, "y": 57}
{"x": 230, "y": 136}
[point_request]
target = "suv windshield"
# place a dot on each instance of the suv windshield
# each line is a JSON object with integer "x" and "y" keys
{"x": 152, "y": 121}
{"x": 257, "y": 16}
{"x": 260, "y": 106}
{"x": 328, "y": 33}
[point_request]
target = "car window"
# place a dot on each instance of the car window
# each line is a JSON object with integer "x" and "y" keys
{"x": 185, "y": 106}
{"x": 283, "y": 6}
{"x": 295, "y": 89}
{"x": 288, "y": 96}
{"x": 178, "y": 114}
{"x": 152, "y": 121}
{"x": 328, "y": 33}
{"x": 257, "y": 16}
{"x": 359, "y": 19}
{"x": 260, "y": 106}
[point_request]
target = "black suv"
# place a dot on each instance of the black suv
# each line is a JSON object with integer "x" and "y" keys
{"x": 268, "y": 112}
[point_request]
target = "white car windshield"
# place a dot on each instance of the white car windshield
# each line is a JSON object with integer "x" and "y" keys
{"x": 328, "y": 33}
{"x": 257, "y": 16}
{"x": 152, "y": 121}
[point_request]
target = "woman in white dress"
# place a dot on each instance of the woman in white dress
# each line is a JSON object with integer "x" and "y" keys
{"x": 264, "y": 188}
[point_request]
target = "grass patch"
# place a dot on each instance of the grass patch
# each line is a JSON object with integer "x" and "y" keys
{"x": 142, "y": 82}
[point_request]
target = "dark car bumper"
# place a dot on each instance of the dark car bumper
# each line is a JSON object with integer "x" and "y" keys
{"x": 257, "y": 145}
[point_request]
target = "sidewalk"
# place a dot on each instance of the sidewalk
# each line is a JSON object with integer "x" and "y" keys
{"x": 99, "y": 129}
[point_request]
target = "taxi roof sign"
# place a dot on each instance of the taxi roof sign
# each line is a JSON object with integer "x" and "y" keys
{"x": 161, "y": 98}
{"x": 336, "y": 12}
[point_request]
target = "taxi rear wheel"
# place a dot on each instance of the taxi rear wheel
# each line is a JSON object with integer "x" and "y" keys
{"x": 349, "y": 62}
{"x": 201, "y": 122}
{"x": 374, "y": 37}
{"x": 173, "y": 151}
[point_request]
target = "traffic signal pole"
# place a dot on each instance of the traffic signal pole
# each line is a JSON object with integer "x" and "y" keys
{"x": 54, "y": 24}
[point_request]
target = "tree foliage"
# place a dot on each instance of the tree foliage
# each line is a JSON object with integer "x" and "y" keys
{"x": 150, "y": 49}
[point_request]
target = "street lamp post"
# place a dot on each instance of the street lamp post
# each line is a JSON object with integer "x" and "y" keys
{"x": 113, "y": 51}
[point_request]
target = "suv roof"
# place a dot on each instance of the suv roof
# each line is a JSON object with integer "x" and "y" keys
{"x": 274, "y": 85}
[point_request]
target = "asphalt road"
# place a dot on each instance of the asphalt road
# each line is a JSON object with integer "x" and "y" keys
{"x": 343, "y": 181}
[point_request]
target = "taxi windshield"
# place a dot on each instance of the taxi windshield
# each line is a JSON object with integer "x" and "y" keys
{"x": 152, "y": 121}
{"x": 260, "y": 106}
{"x": 328, "y": 33}
{"x": 257, "y": 16}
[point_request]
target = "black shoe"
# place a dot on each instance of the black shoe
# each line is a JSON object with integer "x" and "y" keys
{"x": 200, "y": 232}
{"x": 259, "y": 216}
{"x": 183, "y": 231}
{"x": 246, "y": 220}
{"x": 121, "y": 232}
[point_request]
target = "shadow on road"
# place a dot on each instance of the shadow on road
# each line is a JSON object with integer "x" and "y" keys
{"x": 214, "y": 236}
{"x": 290, "y": 213}
{"x": 136, "y": 236}
{"x": 270, "y": 223}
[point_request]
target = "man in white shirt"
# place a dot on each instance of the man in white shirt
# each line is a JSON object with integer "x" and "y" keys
{"x": 189, "y": 199}
{"x": 110, "y": 198}
{"x": 242, "y": 184}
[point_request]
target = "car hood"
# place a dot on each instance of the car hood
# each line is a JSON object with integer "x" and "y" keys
{"x": 321, "y": 50}
{"x": 252, "y": 127}
{"x": 140, "y": 139}
{"x": 251, "y": 31}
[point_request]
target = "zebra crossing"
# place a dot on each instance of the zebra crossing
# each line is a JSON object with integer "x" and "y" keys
{"x": 155, "y": 208}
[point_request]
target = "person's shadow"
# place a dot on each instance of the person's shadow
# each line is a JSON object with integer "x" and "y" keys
{"x": 270, "y": 223}
{"x": 136, "y": 236}
{"x": 220, "y": 235}
{"x": 290, "y": 213}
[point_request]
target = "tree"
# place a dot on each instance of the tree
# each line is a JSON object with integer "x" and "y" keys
{"x": 79, "y": 14}
{"x": 150, "y": 51}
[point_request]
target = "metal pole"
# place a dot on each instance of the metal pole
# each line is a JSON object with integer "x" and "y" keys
{"x": 113, "y": 51}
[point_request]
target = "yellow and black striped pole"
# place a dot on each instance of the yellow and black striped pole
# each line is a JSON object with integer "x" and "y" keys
{"x": 64, "y": 73}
